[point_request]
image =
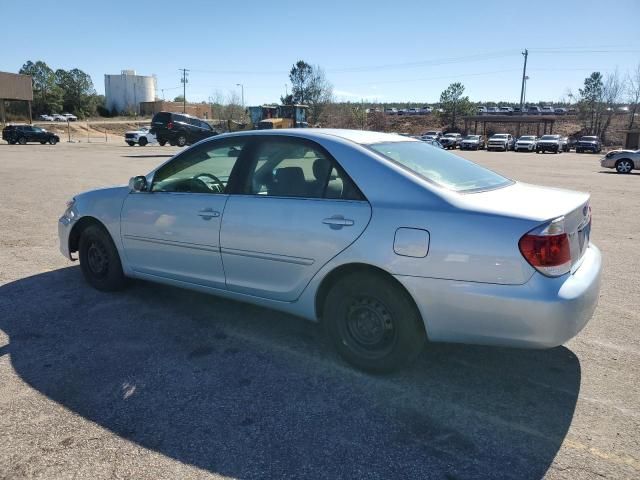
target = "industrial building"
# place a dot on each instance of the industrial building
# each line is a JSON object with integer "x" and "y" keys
{"x": 14, "y": 87}
{"x": 124, "y": 92}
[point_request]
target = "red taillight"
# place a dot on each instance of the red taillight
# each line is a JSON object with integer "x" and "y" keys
{"x": 547, "y": 249}
{"x": 169, "y": 125}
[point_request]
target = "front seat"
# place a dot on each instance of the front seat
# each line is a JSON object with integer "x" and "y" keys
{"x": 289, "y": 182}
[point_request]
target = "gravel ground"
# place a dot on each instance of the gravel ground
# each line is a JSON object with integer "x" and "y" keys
{"x": 157, "y": 382}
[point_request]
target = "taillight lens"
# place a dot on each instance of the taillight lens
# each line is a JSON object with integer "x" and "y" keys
{"x": 169, "y": 125}
{"x": 547, "y": 249}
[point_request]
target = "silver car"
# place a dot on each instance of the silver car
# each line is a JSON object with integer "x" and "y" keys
{"x": 622, "y": 160}
{"x": 385, "y": 239}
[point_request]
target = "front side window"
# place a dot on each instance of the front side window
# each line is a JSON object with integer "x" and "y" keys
{"x": 440, "y": 167}
{"x": 204, "y": 169}
{"x": 291, "y": 167}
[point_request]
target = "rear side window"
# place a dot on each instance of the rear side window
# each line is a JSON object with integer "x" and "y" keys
{"x": 440, "y": 167}
{"x": 290, "y": 167}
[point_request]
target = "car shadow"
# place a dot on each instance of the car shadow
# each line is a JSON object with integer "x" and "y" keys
{"x": 148, "y": 156}
{"x": 613, "y": 172}
{"x": 248, "y": 392}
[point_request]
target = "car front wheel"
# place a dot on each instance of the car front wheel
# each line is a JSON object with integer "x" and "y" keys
{"x": 373, "y": 322}
{"x": 99, "y": 260}
{"x": 624, "y": 166}
{"x": 131, "y": 144}
{"x": 142, "y": 141}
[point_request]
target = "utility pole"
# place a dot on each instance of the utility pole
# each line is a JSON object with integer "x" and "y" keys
{"x": 524, "y": 74}
{"x": 242, "y": 87}
{"x": 184, "y": 80}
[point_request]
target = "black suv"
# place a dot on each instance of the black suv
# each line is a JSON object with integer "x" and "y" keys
{"x": 27, "y": 133}
{"x": 179, "y": 129}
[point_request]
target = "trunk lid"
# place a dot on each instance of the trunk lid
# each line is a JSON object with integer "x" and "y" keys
{"x": 539, "y": 205}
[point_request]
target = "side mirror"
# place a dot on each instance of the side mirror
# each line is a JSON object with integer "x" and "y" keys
{"x": 138, "y": 184}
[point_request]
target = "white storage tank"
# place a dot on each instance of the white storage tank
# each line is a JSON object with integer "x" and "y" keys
{"x": 124, "y": 92}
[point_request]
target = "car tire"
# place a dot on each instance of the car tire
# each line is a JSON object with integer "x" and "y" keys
{"x": 172, "y": 143}
{"x": 624, "y": 165}
{"x": 181, "y": 141}
{"x": 99, "y": 260}
{"x": 131, "y": 144}
{"x": 537, "y": 150}
{"x": 22, "y": 141}
{"x": 162, "y": 142}
{"x": 578, "y": 150}
{"x": 53, "y": 141}
{"x": 42, "y": 142}
{"x": 373, "y": 323}
{"x": 11, "y": 142}
{"x": 142, "y": 141}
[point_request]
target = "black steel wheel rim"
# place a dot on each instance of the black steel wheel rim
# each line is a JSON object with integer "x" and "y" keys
{"x": 98, "y": 258}
{"x": 369, "y": 329}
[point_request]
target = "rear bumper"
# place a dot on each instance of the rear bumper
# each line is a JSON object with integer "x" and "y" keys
{"x": 542, "y": 313}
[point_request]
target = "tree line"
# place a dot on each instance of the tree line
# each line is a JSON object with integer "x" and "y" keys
{"x": 56, "y": 91}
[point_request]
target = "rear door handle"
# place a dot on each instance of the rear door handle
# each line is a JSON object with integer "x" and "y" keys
{"x": 208, "y": 213}
{"x": 337, "y": 221}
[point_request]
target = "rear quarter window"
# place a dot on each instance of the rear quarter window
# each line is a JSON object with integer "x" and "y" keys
{"x": 161, "y": 117}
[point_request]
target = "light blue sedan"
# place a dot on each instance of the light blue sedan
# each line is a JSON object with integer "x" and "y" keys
{"x": 385, "y": 239}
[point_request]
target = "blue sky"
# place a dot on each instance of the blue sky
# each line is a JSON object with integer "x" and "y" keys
{"x": 385, "y": 51}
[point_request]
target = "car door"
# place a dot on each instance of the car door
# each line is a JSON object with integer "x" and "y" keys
{"x": 296, "y": 210}
{"x": 38, "y": 134}
{"x": 172, "y": 230}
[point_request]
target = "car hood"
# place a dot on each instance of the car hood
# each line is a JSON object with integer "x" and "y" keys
{"x": 526, "y": 201}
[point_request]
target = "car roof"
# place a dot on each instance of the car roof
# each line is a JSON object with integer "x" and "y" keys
{"x": 362, "y": 137}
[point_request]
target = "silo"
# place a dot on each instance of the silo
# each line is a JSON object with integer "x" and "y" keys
{"x": 124, "y": 92}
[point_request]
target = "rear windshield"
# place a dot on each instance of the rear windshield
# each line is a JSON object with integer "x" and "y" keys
{"x": 440, "y": 167}
{"x": 162, "y": 117}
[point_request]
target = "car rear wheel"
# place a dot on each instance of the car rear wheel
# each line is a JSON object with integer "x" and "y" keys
{"x": 131, "y": 144}
{"x": 624, "y": 166}
{"x": 53, "y": 141}
{"x": 22, "y": 141}
{"x": 142, "y": 141}
{"x": 181, "y": 141}
{"x": 162, "y": 142}
{"x": 373, "y": 322}
{"x": 99, "y": 260}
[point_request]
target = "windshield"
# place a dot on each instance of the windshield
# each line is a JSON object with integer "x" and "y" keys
{"x": 527, "y": 137}
{"x": 549, "y": 137}
{"x": 589, "y": 139}
{"x": 472, "y": 137}
{"x": 500, "y": 135}
{"x": 439, "y": 167}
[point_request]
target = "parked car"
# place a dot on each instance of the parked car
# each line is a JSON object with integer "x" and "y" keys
{"x": 142, "y": 137}
{"x": 493, "y": 110}
{"x": 551, "y": 143}
{"x": 501, "y": 141}
{"x": 431, "y": 141}
{"x": 413, "y": 111}
{"x": 517, "y": 111}
{"x": 560, "y": 111}
{"x": 451, "y": 140}
{"x": 482, "y": 110}
{"x": 526, "y": 143}
{"x": 534, "y": 110}
{"x": 70, "y": 117}
{"x": 59, "y": 118}
{"x": 622, "y": 160}
{"x": 23, "y": 134}
{"x": 426, "y": 110}
{"x": 589, "y": 144}
{"x": 547, "y": 110}
{"x": 179, "y": 129}
{"x": 45, "y": 118}
{"x": 378, "y": 259}
{"x": 391, "y": 111}
{"x": 433, "y": 133}
{"x": 473, "y": 142}
{"x": 506, "y": 110}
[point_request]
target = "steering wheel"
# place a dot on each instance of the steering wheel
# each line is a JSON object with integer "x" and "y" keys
{"x": 216, "y": 182}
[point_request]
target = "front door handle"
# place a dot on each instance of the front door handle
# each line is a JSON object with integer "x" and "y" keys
{"x": 208, "y": 213}
{"x": 336, "y": 222}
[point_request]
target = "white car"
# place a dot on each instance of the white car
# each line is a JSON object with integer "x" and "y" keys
{"x": 526, "y": 143}
{"x": 45, "y": 118}
{"x": 142, "y": 137}
{"x": 70, "y": 117}
{"x": 58, "y": 118}
{"x": 622, "y": 160}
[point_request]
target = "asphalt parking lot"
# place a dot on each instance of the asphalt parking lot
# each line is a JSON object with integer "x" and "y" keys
{"x": 157, "y": 382}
